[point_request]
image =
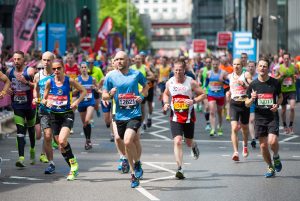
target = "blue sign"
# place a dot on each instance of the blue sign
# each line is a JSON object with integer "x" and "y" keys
{"x": 41, "y": 37}
{"x": 243, "y": 43}
{"x": 57, "y": 38}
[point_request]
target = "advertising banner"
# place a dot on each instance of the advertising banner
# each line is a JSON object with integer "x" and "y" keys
{"x": 199, "y": 45}
{"x": 41, "y": 37}
{"x": 57, "y": 38}
{"x": 103, "y": 32}
{"x": 26, "y": 16}
{"x": 223, "y": 37}
{"x": 243, "y": 43}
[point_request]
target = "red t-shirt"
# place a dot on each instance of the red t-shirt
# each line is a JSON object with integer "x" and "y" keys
{"x": 73, "y": 71}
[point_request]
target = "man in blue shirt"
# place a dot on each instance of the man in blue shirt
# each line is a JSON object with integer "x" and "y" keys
{"x": 122, "y": 86}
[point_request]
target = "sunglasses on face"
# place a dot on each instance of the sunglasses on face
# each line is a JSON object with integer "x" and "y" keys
{"x": 58, "y": 68}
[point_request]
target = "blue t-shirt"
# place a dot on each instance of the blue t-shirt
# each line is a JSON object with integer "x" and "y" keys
{"x": 127, "y": 90}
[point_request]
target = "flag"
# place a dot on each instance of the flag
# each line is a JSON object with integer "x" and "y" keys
{"x": 103, "y": 32}
{"x": 26, "y": 16}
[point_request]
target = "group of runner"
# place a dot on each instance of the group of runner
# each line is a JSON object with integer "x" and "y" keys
{"x": 244, "y": 92}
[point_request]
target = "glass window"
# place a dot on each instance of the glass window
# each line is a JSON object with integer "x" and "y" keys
{"x": 165, "y": 10}
{"x": 155, "y": 10}
{"x": 136, "y": 1}
{"x": 155, "y": 1}
{"x": 146, "y": 1}
{"x": 174, "y": 10}
{"x": 146, "y": 10}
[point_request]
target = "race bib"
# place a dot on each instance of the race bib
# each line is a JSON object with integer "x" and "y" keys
{"x": 265, "y": 100}
{"x": 58, "y": 101}
{"x": 127, "y": 101}
{"x": 20, "y": 97}
{"x": 180, "y": 105}
{"x": 215, "y": 86}
{"x": 89, "y": 92}
{"x": 288, "y": 81}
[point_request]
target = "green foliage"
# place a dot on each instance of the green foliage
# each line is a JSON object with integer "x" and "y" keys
{"x": 116, "y": 9}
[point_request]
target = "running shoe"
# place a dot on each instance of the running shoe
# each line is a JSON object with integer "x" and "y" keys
{"x": 270, "y": 172}
{"x": 50, "y": 169}
{"x": 149, "y": 123}
{"x": 88, "y": 145}
{"x": 54, "y": 144}
{"x": 277, "y": 164}
{"x": 32, "y": 156}
{"x": 20, "y": 162}
{"x": 71, "y": 131}
{"x": 286, "y": 130}
{"x": 227, "y": 118}
{"x": 72, "y": 175}
{"x": 291, "y": 131}
{"x": 195, "y": 151}
{"x": 179, "y": 174}
{"x": 125, "y": 166}
{"x": 112, "y": 138}
{"x": 212, "y": 132}
{"x": 144, "y": 127}
{"x": 120, "y": 164}
{"x": 74, "y": 164}
{"x": 98, "y": 113}
{"x": 253, "y": 143}
{"x": 138, "y": 171}
{"x": 235, "y": 156}
{"x": 220, "y": 131}
{"x": 245, "y": 152}
{"x": 43, "y": 158}
{"x": 207, "y": 127}
{"x": 134, "y": 181}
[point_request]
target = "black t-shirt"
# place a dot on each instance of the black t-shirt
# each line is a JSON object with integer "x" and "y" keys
{"x": 267, "y": 95}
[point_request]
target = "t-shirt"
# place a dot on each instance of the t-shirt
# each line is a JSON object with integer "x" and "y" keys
{"x": 127, "y": 90}
{"x": 267, "y": 95}
{"x": 73, "y": 71}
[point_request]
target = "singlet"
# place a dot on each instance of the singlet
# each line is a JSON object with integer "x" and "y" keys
{"x": 22, "y": 96}
{"x": 288, "y": 83}
{"x": 73, "y": 71}
{"x": 215, "y": 85}
{"x": 89, "y": 99}
{"x": 42, "y": 82}
{"x": 60, "y": 96}
{"x": 164, "y": 73}
{"x": 180, "y": 111}
{"x": 238, "y": 92}
{"x": 127, "y": 90}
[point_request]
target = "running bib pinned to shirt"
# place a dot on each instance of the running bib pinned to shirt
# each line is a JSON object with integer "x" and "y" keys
{"x": 127, "y": 101}
{"x": 89, "y": 92}
{"x": 20, "y": 97}
{"x": 288, "y": 81}
{"x": 215, "y": 86}
{"x": 265, "y": 100}
{"x": 58, "y": 101}
{"x": 180, "y": 105}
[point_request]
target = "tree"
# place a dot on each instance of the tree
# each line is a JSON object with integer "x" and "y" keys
{"x": 116, "y": 9}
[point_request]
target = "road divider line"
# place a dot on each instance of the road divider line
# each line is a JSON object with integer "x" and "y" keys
{"x": 159, "y": 167}
{"x": 289, "y": 138}
{"x": 146, "y": 193}
{"x": 157, "y": 179}
{"x": 25, "y": 178}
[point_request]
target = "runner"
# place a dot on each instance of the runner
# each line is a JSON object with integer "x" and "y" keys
{"x": 6, "y": 87}
{"x": 251, "y": 68}
{"x": 71, "y": 67}
{"x": 265, "y": 93}
{"x": 244, "y": 61}
{"x": 164, "y": 71}
{"x": 21, "y": 78}
{"x": 57, "y": 99}
{"x": 180, "y": 90}
{"x": 287, "y": 76}
{"x": 40, "y": 80}
{"x": 122, "y": 85}
{"x": 150, "y": 77}
{"x": 239, "y": 81}
{"x": 215, "y": 96}
{"x": 202, "y": 80}
{"x": 86, "y": 106}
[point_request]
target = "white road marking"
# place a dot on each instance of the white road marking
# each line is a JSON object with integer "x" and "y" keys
{"x": 84, "y": 152}
{"x": 222, "y": 147}
{"x": 5, "y": 159}
{"x": 226, "y": 155}
{"x": 146, "y": 193}
{"x": 157, "y": 179}
{"x": 160, "y": 120}
{"x": 289, "y": 138}
{"x": 296, "y": 156}
{"x": 14, "y": 151}
{"x": 159, "y": 167}
{"x": 9, "y": 183}
{"x": 25, "y": 178}
{"x": 95, "y": 144}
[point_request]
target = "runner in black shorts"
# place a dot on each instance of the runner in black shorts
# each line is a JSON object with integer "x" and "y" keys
{"x": 265, "y": 92}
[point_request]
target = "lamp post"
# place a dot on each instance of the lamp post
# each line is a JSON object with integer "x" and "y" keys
{"x": 128, "y": 27}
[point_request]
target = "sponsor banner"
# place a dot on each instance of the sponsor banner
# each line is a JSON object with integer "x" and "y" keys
{"x": 57, "y": 38}
{"x": 243, "y": 43}
{"x": 103, "y": 32}
{"x": 41, "y": 37}
{"x": 223, "y": 38}
{"x": 199, "y": 45}
{"x": 26, "y": 16}
{"x": 77, "y": 23}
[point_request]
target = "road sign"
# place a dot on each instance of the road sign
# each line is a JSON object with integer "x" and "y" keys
{"x": 199, "y": 45}
{"x": 223, "y": 38}
{"x": 243, "y": 43}
{"x": 85, "y": 43}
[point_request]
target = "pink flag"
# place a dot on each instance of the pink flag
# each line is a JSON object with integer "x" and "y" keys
{"x": 26, "y": 16}
{"x": 103, "y": 31}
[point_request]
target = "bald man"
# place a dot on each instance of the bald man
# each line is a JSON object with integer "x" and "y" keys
{"x": 122, "y": 86}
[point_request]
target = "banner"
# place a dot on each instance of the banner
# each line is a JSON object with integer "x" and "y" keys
{"x": 104, "y": 30}
{"x": 77, "y": 23}
{"x": 26, "y": 16}
{"x": 57, "y": 38}
{"x": 1, "y": 41}
{"x": 243, "y": 43}
{"x": 41, "y": 37}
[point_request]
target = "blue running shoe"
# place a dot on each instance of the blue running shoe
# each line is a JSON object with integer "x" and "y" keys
{"x": 277, "y": 164}
{"x": 134, "y": 181}
{"x": 98, "y": 113}
{"x": 50, "y": 169}
{"x": 138, "y": 171}
{"x": 270, "y": 172}
{"x": 120, "y": 164}
{"x": 125, "y": 166}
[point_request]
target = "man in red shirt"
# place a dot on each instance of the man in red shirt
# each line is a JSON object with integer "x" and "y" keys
{"x": 71, "y": 67}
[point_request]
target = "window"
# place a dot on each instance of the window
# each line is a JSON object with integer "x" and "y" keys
{"x": 165, "y": 10}
{"x": 174, "y": 10}
{"x": 155, "y": 10}
{"x": 155, "y": 1}
{"x": 146, "y": 10}
{"x": 136, "y": 1}
{"x": 146, "y": 1}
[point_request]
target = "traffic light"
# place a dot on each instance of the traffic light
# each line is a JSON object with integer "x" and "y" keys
{"x": 257, "y": 26}
{"x": 85, "y": 17}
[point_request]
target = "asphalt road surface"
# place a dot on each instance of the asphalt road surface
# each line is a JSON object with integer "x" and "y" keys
{"x": 213, "y": 177}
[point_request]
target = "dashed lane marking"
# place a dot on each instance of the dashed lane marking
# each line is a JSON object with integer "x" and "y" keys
{"x": 146, "y": 193}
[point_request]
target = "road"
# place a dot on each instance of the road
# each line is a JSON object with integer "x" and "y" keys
{"x": 213, "y": 177}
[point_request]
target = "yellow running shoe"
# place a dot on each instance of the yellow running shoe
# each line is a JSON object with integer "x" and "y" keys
{"x": 43, "y": 158}
{"x": 32, "y": 156}
{"x": 20, "y": 162}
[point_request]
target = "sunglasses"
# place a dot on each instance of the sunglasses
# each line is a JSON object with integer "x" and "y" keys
{"x": 40, "y": 68}
{"x": 58, "y": 68}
